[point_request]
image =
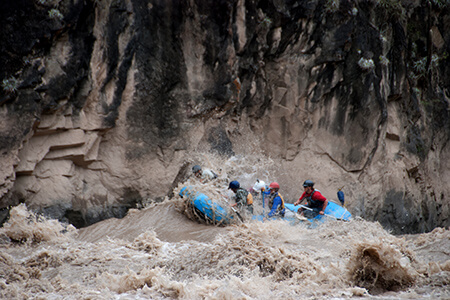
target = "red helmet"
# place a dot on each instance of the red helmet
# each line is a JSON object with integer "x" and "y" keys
{"x": 274, "y": 185}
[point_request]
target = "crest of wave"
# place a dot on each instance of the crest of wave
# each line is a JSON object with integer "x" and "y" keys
{"x": 151, "y": 281}
{"x": 27, "y": 227}
{"x": 250, "y": 261}
{"x": 381, "y": 262}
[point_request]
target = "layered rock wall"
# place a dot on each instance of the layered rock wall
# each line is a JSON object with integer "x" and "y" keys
{"x": 112, "y": 99}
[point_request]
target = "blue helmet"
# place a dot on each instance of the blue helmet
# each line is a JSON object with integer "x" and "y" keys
{"x": 234, "y": 185}
{"x": 308, "y": 183}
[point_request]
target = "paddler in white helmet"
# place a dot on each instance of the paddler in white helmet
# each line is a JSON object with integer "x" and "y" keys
{"x": 260, "y": 187}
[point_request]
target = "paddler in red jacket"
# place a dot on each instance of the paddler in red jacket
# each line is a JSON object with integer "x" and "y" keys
{"x": 316, "y": 202}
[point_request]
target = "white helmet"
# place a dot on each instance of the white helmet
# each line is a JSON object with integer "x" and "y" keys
{"x": 259, "y": 185}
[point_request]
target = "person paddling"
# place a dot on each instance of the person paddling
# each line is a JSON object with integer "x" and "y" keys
{"x": 276, "y": 201}
{"x": 243, "y": 198}
{"x": 315, "y": 201}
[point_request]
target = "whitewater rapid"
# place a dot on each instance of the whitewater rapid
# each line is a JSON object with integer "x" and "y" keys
{"x": 162, "y": 252}
{"x": 172, "y": 257}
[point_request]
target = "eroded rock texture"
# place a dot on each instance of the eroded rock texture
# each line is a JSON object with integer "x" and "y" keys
{"x": 103, "y": 102}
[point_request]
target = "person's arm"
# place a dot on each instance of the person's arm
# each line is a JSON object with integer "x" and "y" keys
{"x": 273, "y": 210}
{"x": 300, "y": 199}
{"x": 320, "y": 197}
{"x": 325, "y": 203}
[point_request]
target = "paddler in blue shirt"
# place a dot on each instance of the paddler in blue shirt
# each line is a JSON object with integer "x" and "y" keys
{"x": 276, "y": 201}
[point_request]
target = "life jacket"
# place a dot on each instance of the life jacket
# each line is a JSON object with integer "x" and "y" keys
{"x": 272, "y": 197}
{"x": 281, "y": 207}
{"x": 249, "y": 199}
{"x": 313, "y": 203}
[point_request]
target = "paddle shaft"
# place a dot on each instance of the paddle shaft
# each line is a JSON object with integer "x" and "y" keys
{"x": 308, "y": 208}
{"x": 237, "y": 213}
{"x": 233, "y": 209}
{"x": 262, "y": 196}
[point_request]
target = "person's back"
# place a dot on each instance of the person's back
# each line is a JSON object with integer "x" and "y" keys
{"x": 204, "y": 175}
{"x": 208, "y": 174}
{"x": 241, "y": 197}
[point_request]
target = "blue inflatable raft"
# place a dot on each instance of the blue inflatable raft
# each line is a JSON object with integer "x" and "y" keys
{"x": 217, "y": 214}
{"x": 333, "y": 211}
{"x": 211, "y": 210}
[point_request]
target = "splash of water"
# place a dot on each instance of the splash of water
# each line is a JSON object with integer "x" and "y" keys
{"x": 26, "y": 227}
{"x": 160, "y": 253}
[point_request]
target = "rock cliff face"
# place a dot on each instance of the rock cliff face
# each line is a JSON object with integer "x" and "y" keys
{"x": 104, "y": 102}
